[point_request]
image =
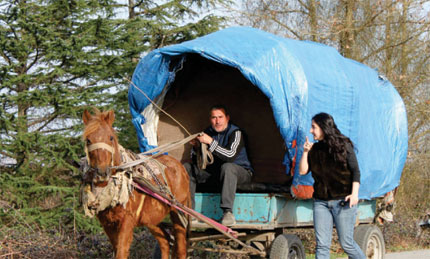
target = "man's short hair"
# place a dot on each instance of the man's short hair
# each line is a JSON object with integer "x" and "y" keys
{"x": 220, "y": 107}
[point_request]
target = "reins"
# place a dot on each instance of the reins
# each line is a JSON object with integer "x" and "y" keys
{"x": 156, "y": 106}
{"x": 163, "y": 192}
{"x": 206, "y": 158}
{"x": 144, "y": 186}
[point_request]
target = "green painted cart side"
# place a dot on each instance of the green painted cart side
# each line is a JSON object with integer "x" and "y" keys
{"x": 265, "y": 221}
{"x": 270, "y": 211}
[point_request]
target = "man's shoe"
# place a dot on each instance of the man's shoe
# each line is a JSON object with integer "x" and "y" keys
{"x": 228, "y": 219}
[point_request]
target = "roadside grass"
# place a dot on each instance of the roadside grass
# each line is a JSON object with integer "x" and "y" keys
{"x": 20, "y": 241}
{"x": 29, "y": 232}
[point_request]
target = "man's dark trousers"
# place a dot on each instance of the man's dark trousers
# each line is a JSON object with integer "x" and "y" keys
{"x": 225, "y": 180}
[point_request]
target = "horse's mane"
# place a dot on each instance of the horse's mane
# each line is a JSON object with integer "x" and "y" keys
{"x": 96, "y": 122}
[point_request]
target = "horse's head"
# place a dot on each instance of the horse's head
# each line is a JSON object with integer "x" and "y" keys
{"x": 101, "y": 144}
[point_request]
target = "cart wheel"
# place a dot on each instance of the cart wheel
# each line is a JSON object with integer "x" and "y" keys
{"x": 370, "y": 240}
{"x": 287, "y": 246}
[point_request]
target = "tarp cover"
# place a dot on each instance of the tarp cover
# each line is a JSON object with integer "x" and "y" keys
{"x": 300, "y": 79}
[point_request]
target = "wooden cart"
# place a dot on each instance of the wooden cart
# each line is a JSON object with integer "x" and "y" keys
{"x": 265, "y": 221}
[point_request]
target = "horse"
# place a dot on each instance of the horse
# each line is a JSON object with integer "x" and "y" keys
{"x": 103, "y": 153}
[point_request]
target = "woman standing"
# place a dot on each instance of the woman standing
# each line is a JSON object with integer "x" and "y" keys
{"x": 335, "y": 170}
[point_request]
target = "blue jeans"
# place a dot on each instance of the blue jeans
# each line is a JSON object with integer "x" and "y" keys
{"x": 327, "y": 212}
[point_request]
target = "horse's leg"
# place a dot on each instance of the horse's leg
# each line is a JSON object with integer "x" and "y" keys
{"x": 113, "y": 238}
{"x": 110, "y": 228}
{"x": 162, "y": 240}
{"x": 180, "y": 233}
{"x": 125, "y": 237}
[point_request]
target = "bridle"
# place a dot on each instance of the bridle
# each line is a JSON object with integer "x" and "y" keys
{"x": 95, "y": 146}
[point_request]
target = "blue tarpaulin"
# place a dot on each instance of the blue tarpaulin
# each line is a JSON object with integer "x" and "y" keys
{"x": 300, "y": 79}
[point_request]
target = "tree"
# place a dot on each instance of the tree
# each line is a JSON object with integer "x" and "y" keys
{"x": 392, "y": 36}
{"x": 159, "y": 24}
{"x": 59, "y": 57}
{"x": 53, "y": 56}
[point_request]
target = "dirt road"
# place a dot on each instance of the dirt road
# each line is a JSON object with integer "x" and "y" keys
{"x": 418, "y": 254}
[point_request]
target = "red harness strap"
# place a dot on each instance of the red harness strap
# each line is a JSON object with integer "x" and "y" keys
{"x": 186, "y": 210}
{"x": 221, "y": 228}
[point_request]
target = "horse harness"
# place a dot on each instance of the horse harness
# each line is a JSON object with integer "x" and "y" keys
{"x": 119, "y": 186}
{"x": 142, "y": 167}
{"x": 94, "y": 199}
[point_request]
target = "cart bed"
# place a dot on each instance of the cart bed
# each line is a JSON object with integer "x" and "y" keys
{"x": 269, "y": 211}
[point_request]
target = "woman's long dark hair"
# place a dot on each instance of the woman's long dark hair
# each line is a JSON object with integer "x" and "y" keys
{"x": 337, "y": 142}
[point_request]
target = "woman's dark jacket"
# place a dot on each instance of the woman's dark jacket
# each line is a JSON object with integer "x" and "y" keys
{"x": 333, "y": 180}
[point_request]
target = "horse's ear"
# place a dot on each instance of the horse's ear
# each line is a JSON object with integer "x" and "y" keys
{"x": 86, "y": 117}
{"x": 109, "y": 117}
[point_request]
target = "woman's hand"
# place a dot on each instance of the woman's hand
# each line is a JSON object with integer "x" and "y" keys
{"x": 307, "y": 146}
{"x": 304, "y": 165}
{"x": 353, "y": 199}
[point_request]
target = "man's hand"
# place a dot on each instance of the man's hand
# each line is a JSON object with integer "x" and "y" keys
{"x": 205, "y": 138}
{"x": 308, "y": 145}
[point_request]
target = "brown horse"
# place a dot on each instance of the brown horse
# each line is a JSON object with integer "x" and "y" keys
{"x": 141, "y": 210}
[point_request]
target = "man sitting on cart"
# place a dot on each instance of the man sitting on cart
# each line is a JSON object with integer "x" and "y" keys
{"x": 231, "y": 165}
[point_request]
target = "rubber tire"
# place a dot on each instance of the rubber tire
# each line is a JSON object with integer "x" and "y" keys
{"x": 371, "y": 241}
{"x": 287, "y": 246}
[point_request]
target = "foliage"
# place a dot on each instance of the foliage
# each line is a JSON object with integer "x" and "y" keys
{"x": 391, "y": 36}
{"x": 29, "y": 241}
{"x": 412, "y": 204}
{"x": 46, "y": 206}
{"x": 160, "y": 24}
{"x": 54, "y": 55}
{"x": 58, "y": 58}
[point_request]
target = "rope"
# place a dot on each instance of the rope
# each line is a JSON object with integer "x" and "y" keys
{"x": 161, "y": 149}
{"x": 204, "y": 157}
{"x": 169, "y": 146}
{"x": 158, "y": 107}
{"x": 142, "y": 184}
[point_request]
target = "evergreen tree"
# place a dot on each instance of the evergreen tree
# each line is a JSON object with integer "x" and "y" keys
{"x": 56, "y": 57}
{"x": 59, "y": 57}
{"x": 148, "y": 25}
